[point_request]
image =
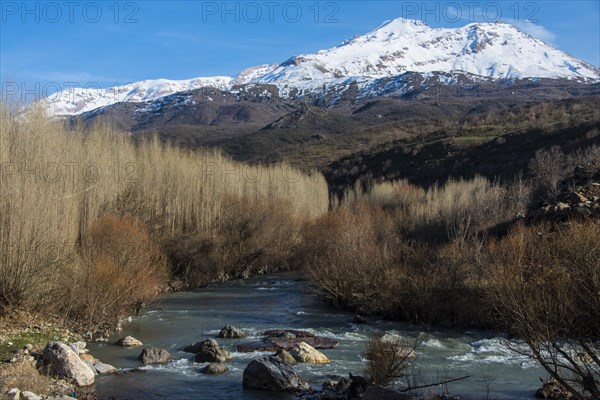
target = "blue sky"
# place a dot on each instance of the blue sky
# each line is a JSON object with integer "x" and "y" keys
{"x": 57, "y": 43}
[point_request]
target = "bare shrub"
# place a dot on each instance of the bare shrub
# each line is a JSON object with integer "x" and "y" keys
{"x": 389, "y": 358}
{"x": 459, "y": 210}
{"x": 548, "y": 170}
{"x": 545, "y": 290}
{"x": 248, "y": 238}
{"x": 347, "y": 254}
{"x": 121, "y": 267}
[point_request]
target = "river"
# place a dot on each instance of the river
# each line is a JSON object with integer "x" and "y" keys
{"x": 282, "y": 301}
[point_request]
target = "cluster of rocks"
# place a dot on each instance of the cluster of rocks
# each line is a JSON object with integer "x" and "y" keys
{"x": 70, "y": 364}
{"x": 73, "y": 363}
{"x": 582, "y": 203}
{"x": 276, "y": 339}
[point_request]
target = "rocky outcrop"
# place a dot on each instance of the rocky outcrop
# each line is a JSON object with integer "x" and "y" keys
{"x": 60, "y": 360}
{"x": 215, "y": 369}
{"x": 358, "y": 319}
{"x": 231, "y": 332}
{"x": 210, "y": 351}
{"x": 129, "y": 341}
{"x": 154, "y": 355}
{"x": 582, "y": 203}
{"x": 305, "y": 353}
{"x": 270, "y": 373}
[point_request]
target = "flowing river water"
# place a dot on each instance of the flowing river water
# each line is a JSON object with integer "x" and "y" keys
{"x": 282, "y": 301}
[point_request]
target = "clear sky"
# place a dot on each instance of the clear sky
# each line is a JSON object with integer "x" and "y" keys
{"x": 109, "y": 42}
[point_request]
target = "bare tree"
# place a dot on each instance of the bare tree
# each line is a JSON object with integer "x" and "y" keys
{"x": 548, "y": 169}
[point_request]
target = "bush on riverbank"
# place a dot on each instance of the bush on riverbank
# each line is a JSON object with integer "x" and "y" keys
{"x": 545, "y": 288}
{"x": 71, "y": 201}
{"x": 411, "y": 253}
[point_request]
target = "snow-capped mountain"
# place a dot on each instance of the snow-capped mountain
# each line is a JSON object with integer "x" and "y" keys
{"x": 487, "y": 51}
{"x": 76, "y": 101}
{"x": 491, "y": 50}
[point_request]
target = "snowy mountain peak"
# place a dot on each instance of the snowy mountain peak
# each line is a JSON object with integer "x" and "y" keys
{"x": 396, "y": 27}
{"x": 396, "y": 47}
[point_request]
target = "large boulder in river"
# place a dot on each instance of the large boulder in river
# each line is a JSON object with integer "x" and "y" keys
{"x": 129, "y": 341}
{"x": 210, "y": 351}
{"x": 231, "y": 332}
{"x": 60, "y": 360}
{"x": 269, "y": 373}
{"x": 305, "y": 353}
{"x": 154, "y": 355}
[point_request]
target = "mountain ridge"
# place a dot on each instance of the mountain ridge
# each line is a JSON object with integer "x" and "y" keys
{"x": 476, "y": 52}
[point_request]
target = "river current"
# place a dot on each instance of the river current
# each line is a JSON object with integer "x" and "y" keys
{"x": 283, "y": 301}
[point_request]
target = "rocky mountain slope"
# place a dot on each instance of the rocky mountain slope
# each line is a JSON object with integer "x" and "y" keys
{"x": 394, "y": 59}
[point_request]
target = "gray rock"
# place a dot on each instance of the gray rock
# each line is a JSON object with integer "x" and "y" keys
{"x": 269, "y": 373}
{"x": 154, "y": 355}
{"x": 14, "y": 394}
{"x": 103, "y": 368}
{"x": 215, "y": 369}
{"x": 62, "y": 361}
{"x": 230, "y": 332}
{"x": 285, "y": 356}
{"x": 210, "y": 351}
{"x": 26, "y": 395}
{"x": 129, "y": 341}
{"x": 91, "y": 365}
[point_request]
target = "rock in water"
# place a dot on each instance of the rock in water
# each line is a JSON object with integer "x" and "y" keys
{"x": 210, "y": 351}
{"x": 103, "y": 368}
{"x": 215, "y": 369}
{"x": 230, "y": 332}
{"x": 289, "y": 333}
{"x": 270, "y": 373}
{"x": 129, "y": 341}
{"x": 285, "y": 356}
{"x": 63, "y": 362}
{"x": 305, "y": 353}
{"x": 154, "y": 355}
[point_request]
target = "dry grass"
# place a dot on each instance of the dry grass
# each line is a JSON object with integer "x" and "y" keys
{"x": 55, "y": 182}
{"x": 24, "y": 376}
{"x": 459, "y": 210}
